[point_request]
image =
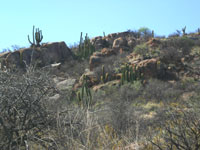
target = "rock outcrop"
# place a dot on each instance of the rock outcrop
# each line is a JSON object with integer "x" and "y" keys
{"x": 48, "y": 53}
{"x": 120, "y": 43}
{"x": 148, "y": 68}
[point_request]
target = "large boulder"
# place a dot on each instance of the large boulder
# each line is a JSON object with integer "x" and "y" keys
{"x": 99, "y": 57}
{"x": 154, "y": 42}
{"x": 148, "y": 68}
{"x": 109, "y": 51}
{"x": 13, "y": 59}
{"x": 120, "y": 43}
{"x": 66, "y": 84}
{"x": 3, "y": 58}
{"x": 47, "y": 54}
{"x": 100, "y": 42}
{"x": 95, "y": 61}
{"x": 30, "y": 55}
{"x": 55, "y": 52}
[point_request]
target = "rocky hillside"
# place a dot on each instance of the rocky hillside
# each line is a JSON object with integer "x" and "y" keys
{"x": 127, "y": 90}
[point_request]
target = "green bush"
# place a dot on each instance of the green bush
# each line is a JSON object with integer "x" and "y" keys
{"x": 145, "y": 32}
{"x": 141, "y": 50}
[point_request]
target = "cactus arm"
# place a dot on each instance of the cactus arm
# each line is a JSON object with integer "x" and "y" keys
{"x": 33, "y": 35}
{"x": 29, "y": 40}
{"x": 38, "y": 36}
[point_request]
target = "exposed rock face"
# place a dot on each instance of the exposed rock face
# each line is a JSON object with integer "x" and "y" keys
{"x": 100, "y": 42}
{"x": 95, "y": 61}
{"x": 2, "y": 59}
{"x": 148, "y": 67}
{"x": 65, "y": 84}
{"x": 120, "y": 43}
{"x": 46, "y": 54}
{"x": 55, "y": 52}
{"x": 154, "y": 42}
{"x": 98, "y": 57}
{"x": 13, "y": 59}
{"x": 131, "y": 42}
{"x": 109, "y": 51}
{"x": 109, "y": 40}
{"x": 92, "y": 78}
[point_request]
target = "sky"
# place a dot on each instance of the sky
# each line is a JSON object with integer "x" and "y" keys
{"x": 63, "y": 20}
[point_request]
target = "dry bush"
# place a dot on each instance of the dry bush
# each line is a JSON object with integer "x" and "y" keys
{"x": 183, "y": 44}
{"x": 24, "y": 115}
{"x": 181, "y": 131}
{"x": 158, "y": 90}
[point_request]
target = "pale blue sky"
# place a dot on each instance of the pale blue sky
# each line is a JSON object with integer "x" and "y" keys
{"x": 63, "y": 20}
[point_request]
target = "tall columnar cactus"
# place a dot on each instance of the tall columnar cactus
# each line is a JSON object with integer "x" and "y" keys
{"x": 85, "y": 47}
{"x": 37, "y": 36}
{"x": 152, "y": 34}
{"x": 183, "y": 30}
{"x": 84, "y": 95}
{"x": 104, "y": 35}
{"x": 104, "y": 76}
{"x": 198, "y": 30}
{"x": 81, "y": 42}
{"x": 128, "y": 75}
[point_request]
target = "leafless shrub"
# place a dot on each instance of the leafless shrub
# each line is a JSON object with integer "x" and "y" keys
{"x": 181, "y": 131}
{"x": 24, "y": 115}
{"x": 158, "y": 90}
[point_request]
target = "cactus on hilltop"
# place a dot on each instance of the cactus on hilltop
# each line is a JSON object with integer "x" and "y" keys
{"x": 104, "y": 35}
{"x": 37, "y": 36}
{"x": 152, "y": 33}
{"x": 198, "y": 30}
{"x": 85, "y": 47}
{"x": 183, "y": 30}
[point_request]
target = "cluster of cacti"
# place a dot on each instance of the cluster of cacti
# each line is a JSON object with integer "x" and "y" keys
{"x": 85, "y": 47}
{"x": 37, "y": 36}
{"x": 183, "y": 30}
{"x": 128, "y": 75}
{"x": 84, "y": 95}
{"x": 104, "y": 76}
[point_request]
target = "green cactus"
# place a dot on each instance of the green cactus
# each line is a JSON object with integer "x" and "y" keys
{"x": 183, "y": 30}
{"x": 152, "y": 33}
{"x": 85, "y": 47}
{"x": 81, "y": 42}
{"x": 131, "y": 74}
{"x": 103, "y": 77}
{"x": 37, "y": 36}
{"x": 84, "y": 96}
{"x": 104, "y": 35}
{"x": 107, "y": 76}
{"x": 198, "y": 30}
{"x": 128, "y": 75}
{"x": 123, "y": 76}
{"x": 78, "y": 94}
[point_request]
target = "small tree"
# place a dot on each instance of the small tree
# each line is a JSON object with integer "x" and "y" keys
{"x": 145, "y": 32}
